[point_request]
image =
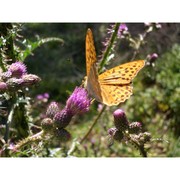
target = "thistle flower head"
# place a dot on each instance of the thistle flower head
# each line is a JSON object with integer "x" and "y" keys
{"x": 112, "y": 131}
{"x": 43, "y": 97}
{"x": 14, "y": 83}
{"x": 123, "y": 29}
{"x": 52, "y": 109}
{"x": 135, "y": 127}
{"x": 30, "y": 79}
{"x": 62, "y": 118}
{"x": 17, "y": 69}
{"x": 152, "y": 57}
{"x": 62, "y": 135}
{"x": 6, "y": 75}
{"x": 3, "y": 87}
{"x": 78, "y": 102}
{"x": 120, "y": 120}
{"x": 116, "y": 134}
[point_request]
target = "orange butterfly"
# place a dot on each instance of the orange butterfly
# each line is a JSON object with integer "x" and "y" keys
{"x": 113, "y": 86}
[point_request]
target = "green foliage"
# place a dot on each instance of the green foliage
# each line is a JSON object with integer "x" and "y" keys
{"x": 158, "y": 102}
{"x": 31, "y": 46}
{"x": 155, "y": 101}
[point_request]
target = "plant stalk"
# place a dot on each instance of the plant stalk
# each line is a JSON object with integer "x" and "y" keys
{"x": 109, "y": 46}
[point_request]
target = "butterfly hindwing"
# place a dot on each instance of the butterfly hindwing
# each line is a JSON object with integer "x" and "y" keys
{"x": 115, "y": 94}
{"x": 93, "y": 85}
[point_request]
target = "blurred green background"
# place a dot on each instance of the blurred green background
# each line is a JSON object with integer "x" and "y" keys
{"x": 156, "y": 99}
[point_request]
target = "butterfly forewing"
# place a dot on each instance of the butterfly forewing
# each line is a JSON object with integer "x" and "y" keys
{"x": 122, "y": 74}
{"x": 93, "y": 85}
{"x": 90, "y": 51}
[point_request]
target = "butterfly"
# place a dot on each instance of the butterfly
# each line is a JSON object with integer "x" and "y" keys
{"x": 113, "y": 86}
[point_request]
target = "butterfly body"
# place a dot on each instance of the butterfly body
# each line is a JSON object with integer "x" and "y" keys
{"x": 113, "y": 86}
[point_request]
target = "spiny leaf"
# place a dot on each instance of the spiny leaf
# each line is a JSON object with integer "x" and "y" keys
{"x": 31, "y": 46}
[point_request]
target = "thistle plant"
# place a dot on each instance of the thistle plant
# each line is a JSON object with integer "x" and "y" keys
{"x": 16, "y": 81}
{"x": 77, "y": 103}
{"x": 124, "y": 131}
{"x": 56, "y": 120}
{"x": 115, "y": 32}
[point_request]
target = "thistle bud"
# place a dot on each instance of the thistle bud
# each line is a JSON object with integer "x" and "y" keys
{"x": 52, "y": 109}
{"x": 116, "y": 134}
{"x": 62, "y": 135}
{"x": 3, "y": 87}
{"x": 14, "y": 83}
{"x": 30, "y": 79}
{"x": 123, "y": 29}
{"x": 111, "y": 131}
{"x": 120, "y": 120}
{"x": 62, "y": 118}
{"x": 6, "y": 75}
{"x": 47, "y": 124}
{"x": 135, "y": 127}
{"x": 152, "y": 57}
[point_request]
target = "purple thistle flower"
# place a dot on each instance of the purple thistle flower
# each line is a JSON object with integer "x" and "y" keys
{"x": 123, "y": 29}
{"x": 152, "y": 57}
{"x": 3, "y": 87}
{"x": 40, "y": 97}
{"x": 120, "y": 120}
{"x": 6, "y": 75}
{"x": 62, "y": 118}
{"x": 78, "y": 102}
{"x": 17, "y": 69}
{"x": 14, "y": 83}
{"x": 44, "y": 96}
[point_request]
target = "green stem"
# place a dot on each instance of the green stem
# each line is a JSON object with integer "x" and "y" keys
{"x": 74, "y": 146}
{"x": 140, "y": 147}
{"x": 29, "y": 140}
{"x": 1, "y": 64}
{"x": 109, "y": 46}
{"x": 137, "y": 45}
{"x": 10, "y": 116}
{"x": 12, "y": 105}
{"x": 94, "y": 123}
